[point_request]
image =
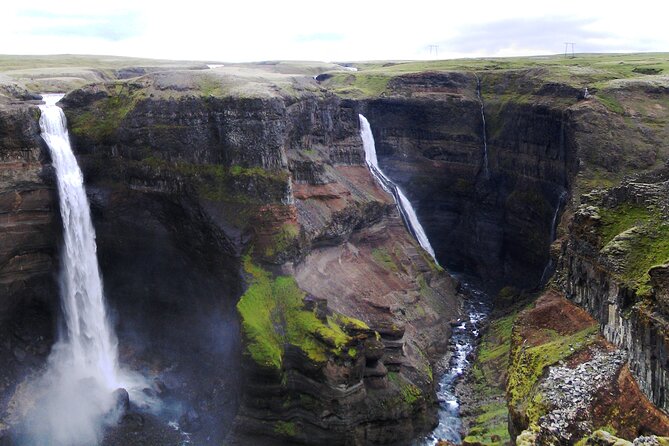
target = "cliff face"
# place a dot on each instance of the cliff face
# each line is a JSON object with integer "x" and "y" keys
{"x": 264, "y": 196}
{"x": 29, "y": 234}
{"x": 616, "y": 239}
{"x": 29, "y": 229}
{"x": 490, "y": 218}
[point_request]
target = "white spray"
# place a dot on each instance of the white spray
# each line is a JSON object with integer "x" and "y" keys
{"x": 406, "y": 209}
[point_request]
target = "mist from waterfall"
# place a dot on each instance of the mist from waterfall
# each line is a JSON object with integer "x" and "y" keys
{"x": 74, "y": 397}
{"x": 403, "y": 204}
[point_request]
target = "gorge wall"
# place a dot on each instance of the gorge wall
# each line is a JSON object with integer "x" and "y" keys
{"x": 610, "y": 267}
{"x": 430, "y": 140}
{"x": 29, "y": 235}
{"x": 214, "y": 198}
{"x": 203, "y": 204}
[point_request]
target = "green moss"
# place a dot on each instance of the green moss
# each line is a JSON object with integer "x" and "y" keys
{"x": 488, "y": 375}
{"x": 286, "y": 428}
{"x": 273, "y": 315}
{"x": 410, "y": 393}
{"x": 283, "y": 239}
{"x": 350, "y": 322}
{"x": 641, "y": 234}
{"x": 359, "y": 84}
{"x": 216, "y": 182}
{"x": 384, "y": 259}
{"x": 621, "y": 218}
{"x": 528, "y": 363}
{"x": 258, "y": 311}
{"x": 104, "y": 116}
{"x": 609, "y": 101}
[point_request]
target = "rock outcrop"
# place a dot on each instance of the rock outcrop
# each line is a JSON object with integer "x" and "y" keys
{"x": 609, "y": 267}
{"x": 566, "y": 381}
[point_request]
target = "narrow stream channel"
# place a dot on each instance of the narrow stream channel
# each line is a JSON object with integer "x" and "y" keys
{"x": 463, "y": 342}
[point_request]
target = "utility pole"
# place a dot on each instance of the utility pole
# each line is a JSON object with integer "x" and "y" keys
{"x": 435, "y": 48}
{"x": 566, "y": 49}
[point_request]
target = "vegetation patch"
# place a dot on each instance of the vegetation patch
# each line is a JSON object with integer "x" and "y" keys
{"x": 216, "y": 182}
{"x": 527, "y": 364}
{"x": 647, "y": 70}
{"x": 273, "y": 315}
{"x": 411, "y": 394}
{"x": 103, "y": 117}
{"x": 285, "y": 428}
{"x": 285, "y": 238}
{"x": 384, "y": 259}
{"x": 641, "y": 236}
{"x": 359, "y": 84}
{"x": 610, "y": 102}
{"x": 489, "y": 426}
{"x": 621, "y": 218}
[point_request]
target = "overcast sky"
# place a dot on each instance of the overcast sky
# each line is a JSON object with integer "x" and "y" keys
{"x": 339, "y": 30}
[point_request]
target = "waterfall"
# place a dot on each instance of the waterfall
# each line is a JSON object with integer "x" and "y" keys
{"x": 89, "y": 337}
{"x": 74, "y": 397}
{"x": 403, "y": 204}
{"x": 554, "y": 223}
{"x": 485, "y": 139}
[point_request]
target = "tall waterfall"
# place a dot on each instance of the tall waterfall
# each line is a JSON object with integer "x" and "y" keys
{"x": 74, "y": 397}
{"x": 406, "y": 210}
{"x": 486, "y": 174}
{"x": 89, "y": 338}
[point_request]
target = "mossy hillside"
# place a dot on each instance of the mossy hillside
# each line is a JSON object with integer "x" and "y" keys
{"x": 640, "y": 236}
{"x": 358, "y": 85}
{"x": 610, "y": 102}
{"x": 273, "y": 315}
{"x": 592, "y": 70}
{"x": 99, "y": 120}
{"x": 527, "y": 364}
{"x": 489, "y": 426}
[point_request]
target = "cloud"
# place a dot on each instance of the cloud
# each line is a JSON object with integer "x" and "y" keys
{"x": 538, "y": 35}
{"x": 320, "y": 37}
{"x": 308, "y": 30}
{"x": 112, "y": 27}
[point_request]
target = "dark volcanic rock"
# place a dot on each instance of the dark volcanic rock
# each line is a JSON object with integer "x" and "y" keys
{"x": 499, "y": 227}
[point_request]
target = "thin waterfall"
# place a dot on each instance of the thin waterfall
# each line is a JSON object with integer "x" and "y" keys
{"x": 554, "y": 223}
{"x": 403, "y": 204}
{"x": 75, "y": 395}
{"x": 486, "y": 173}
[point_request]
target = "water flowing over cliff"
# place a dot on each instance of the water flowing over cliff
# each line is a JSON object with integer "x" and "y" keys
{"x": 88, "y": 341}
{"x": 76, "y": 393}
{"x": 403, "y": 204}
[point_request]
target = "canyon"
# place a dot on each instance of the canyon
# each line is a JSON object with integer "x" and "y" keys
{"x": 259, "y": 274}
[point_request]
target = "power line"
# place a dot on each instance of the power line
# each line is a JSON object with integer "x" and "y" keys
{"x": 566, "y": 49}
{"x": 435, "y": 48}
